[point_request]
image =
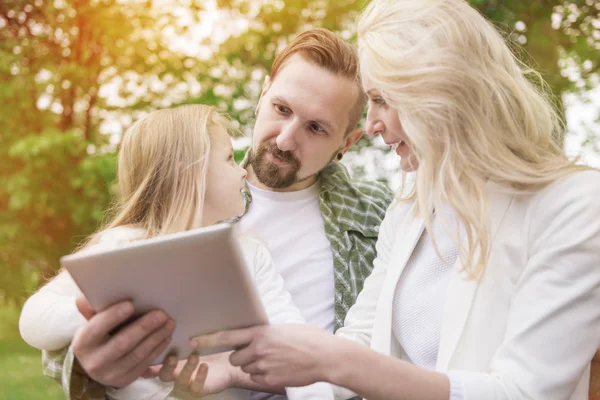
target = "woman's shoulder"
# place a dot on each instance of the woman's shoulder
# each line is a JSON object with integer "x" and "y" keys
{"x": 571, "y": 201}
{"x": 580, "y": 187}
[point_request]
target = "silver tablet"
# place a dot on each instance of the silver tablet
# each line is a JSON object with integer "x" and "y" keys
{"x": 199, "y": 278}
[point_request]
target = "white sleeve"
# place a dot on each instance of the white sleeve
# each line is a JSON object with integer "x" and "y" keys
{"x": 456, "y": 387}
{"x": 316, "y": 391}
{"x": 553, "y": 327}
{"x": 276, "y": 299}
{"x": 50, "y": 317}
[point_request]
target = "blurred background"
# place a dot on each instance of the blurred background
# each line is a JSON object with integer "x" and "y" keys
{"x": 75, "y": 73}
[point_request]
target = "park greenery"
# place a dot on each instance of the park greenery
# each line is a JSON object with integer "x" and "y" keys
{"x": 75, "y": 73}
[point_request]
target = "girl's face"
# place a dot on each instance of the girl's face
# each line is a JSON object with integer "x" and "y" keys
{"x": 382, "y": 119}
{"x": 225, "y": 180}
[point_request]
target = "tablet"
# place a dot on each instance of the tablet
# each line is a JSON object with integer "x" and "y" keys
{"x": 199, "y": 278}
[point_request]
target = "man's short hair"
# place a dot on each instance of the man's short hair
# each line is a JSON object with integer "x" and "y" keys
{"x": 325, "y": 49}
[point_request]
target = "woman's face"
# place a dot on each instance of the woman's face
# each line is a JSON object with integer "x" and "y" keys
{"x": 225, "y": 180}
{"x": 382, "y": 119}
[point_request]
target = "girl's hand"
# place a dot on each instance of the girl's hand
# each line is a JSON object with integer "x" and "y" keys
{"x": 197, "y": 377}
{"x": 278, "y": 355}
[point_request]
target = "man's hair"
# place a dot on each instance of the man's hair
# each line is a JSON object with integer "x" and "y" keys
{"x": 325, "y": 49}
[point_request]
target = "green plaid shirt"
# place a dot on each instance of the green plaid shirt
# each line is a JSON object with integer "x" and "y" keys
{"x": 352, "y": 212}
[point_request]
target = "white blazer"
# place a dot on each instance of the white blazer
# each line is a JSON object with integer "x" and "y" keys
{"x": 529, "y": 327}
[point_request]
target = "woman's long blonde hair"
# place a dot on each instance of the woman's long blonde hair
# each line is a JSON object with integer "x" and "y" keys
{"x": 473, "y": 113}
{"x": 162, "y": 167}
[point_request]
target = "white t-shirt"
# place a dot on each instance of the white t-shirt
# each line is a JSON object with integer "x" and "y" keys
{"x": 291, "y": 225}
{"x": 50, "y": 318}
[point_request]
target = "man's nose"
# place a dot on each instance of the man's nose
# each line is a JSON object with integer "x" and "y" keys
{"x": 287, "y": 139}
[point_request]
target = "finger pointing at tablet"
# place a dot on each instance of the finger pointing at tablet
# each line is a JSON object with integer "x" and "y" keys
{"x": 231, "y": 338}
{"x": 119, "y": 359}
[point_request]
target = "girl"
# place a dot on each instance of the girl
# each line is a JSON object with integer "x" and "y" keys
{"x": 486, "y": 283}
{"x": 176, "y": 172}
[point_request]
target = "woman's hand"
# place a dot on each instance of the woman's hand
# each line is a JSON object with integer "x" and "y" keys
{"x": 278, "y": 355}
{"x": 197, "y": 376}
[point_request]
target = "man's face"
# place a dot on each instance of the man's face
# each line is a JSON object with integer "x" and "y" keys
{"x": 301, "y": 125}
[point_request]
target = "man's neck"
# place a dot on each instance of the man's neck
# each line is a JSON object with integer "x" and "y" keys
{"x": 303, "y": 184}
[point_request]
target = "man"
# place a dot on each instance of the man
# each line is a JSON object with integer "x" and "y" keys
{"x": 320, "y": 227}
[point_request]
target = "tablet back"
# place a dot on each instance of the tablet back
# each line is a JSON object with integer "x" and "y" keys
{"x": 198, "y": 277}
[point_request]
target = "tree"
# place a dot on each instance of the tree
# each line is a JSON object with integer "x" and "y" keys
{"x": 74, "y": 72}
{"x": 56, "y": 164}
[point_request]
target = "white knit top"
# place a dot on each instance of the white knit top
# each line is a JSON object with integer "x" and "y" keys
{"x": 420, "y": 297}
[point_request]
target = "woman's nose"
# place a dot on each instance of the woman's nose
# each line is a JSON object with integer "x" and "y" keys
{"x": 373, "y": 124}
{"x": 374, "y": 128}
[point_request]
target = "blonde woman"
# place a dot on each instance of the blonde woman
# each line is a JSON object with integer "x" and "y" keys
{"x": 487, "y": 278}
{"x": 176, "y": 172}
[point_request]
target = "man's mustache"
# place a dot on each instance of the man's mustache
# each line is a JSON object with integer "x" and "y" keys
{"x": 283, "y": 155}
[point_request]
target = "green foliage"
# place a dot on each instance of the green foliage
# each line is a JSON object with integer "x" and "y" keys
{"x": 22, "y": 378}
{"x": 57, "y": 165}
{"x": 61, "y": 122}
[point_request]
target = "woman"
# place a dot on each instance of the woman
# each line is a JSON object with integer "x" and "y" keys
{"x": 487, "y": 279}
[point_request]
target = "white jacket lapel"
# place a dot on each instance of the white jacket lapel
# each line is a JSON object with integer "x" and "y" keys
{"x": 461, "y": 290}
{"x": 403, "y": 247}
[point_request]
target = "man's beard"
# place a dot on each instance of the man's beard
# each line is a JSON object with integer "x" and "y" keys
{"x": 271, "y": 174}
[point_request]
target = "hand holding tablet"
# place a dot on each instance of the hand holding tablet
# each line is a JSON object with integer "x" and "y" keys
{"x": 199, "y": 278}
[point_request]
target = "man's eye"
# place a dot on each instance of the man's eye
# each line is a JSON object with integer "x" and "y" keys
{"x": 316, "y": 128}
{"x": 282, "y": 109}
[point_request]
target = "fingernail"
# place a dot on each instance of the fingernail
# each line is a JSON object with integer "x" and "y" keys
{"x": 194, "y": 344}
{"x": 125, "y": 309}
{"x": 171, "y": 325}
{"x": 160, "y": 318}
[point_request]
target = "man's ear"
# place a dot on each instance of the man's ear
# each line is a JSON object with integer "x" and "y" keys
{"x": 266, "y": 85}
{"x": 351, "y": 138}
{"x": 265, "y": 89}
